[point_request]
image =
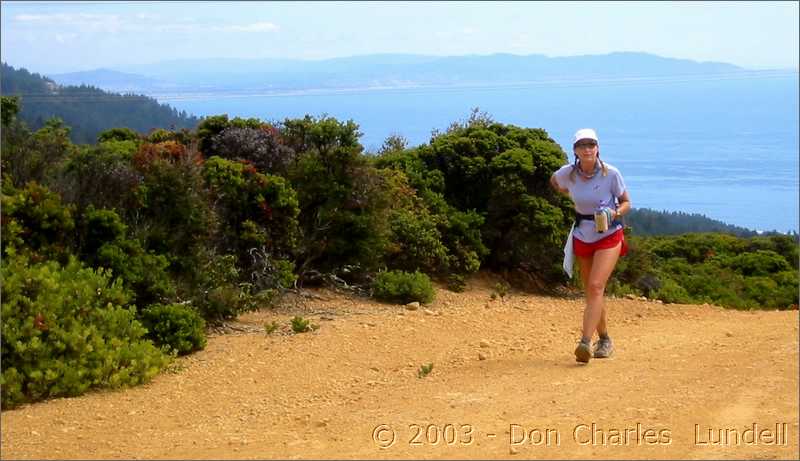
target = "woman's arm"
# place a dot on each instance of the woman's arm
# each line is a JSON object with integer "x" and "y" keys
{"x": 556, "y": 187}
{"x": 624, "y": 205}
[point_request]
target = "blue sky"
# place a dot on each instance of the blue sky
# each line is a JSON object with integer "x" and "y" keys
{"x": 51, "y": 37}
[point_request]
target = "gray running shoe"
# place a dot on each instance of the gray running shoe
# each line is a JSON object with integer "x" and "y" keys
{"x": 583, "y": 352}
{"x": 604, "y": 349}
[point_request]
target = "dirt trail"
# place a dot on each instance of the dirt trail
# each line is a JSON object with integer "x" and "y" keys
{"x": 683, "y": 377}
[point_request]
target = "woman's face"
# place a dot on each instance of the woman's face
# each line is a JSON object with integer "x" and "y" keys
{"x": 586, "y": 150}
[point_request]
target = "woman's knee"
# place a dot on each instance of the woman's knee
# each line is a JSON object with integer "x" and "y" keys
{"x": 596, "y": 287}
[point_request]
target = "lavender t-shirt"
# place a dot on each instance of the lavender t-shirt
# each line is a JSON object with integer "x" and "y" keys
{"x": 591, "y": 195}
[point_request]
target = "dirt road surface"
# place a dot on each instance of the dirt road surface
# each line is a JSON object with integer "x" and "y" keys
{"x": 687, "y": 382}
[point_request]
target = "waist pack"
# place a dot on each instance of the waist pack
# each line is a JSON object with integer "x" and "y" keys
{"x": 603, "y": 214}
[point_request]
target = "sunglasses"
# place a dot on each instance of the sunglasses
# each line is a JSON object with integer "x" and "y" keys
{"x": 585, "y": 144}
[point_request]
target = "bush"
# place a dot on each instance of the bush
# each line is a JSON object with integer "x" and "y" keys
{"x": 259, "y": 146}
{"x": 176, "y": 326}
{"x": 102, "y": 176}
{"x": 184, "y": 136}
{"x": 500, "y": 173}
{"x": 105, "y": 244}
{"x": 35, "y": 221}
{"x": 426, "y": 233}
{"x": 342, "y": 198}
{"x": 222, "y": 303}
{"x": 403, "y": 287}
{"x": 213, "y": 289}
{"x": 10, "y": 109}
{"x": 36, "y": 156}
{"x": 300, "y": 325}
{"x": 671, "y": 292}
{"x": 256, "y": 210}
{"x": 175, "y": 216}
{"x": 758, "y": 263}
{"x": 270, "y": 273}
{"x": 145, "y": 274}
{"x": 486, "y": 186}
{"x": 786, "y": 294}
{"x": 210, "y": 127}
{"x": 118, "y": 134}
{"x": 457, "y": 283}
{"x": 416, "y": 243}
{"x": 258, "y": 215}
{"x": 216, "y": 291}
{"x": 66, "y": 330}
{"x": 742, "y": 273}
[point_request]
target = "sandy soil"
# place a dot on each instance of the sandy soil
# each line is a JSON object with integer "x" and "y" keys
{"x": 686, "y": 382}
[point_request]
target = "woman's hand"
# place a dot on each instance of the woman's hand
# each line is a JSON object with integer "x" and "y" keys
{"x": 624, "y": 205}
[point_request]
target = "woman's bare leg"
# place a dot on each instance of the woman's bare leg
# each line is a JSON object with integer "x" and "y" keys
{"x": 601, "y": 267}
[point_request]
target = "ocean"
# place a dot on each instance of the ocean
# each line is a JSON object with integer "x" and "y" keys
{"x": 724, "y": 148}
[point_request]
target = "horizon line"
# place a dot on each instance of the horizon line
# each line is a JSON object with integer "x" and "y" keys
{"x": 115, "y": 67}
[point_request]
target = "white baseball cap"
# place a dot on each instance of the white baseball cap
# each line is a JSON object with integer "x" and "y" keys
{"x": 585, "y": 133}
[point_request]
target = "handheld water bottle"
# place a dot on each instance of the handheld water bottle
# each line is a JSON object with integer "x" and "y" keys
{"x": 602, "y": 219}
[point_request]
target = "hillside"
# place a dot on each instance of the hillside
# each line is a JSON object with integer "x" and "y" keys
{"x": 85, "y": 109}
{"x": 351, "y": 390}
{"x": 390, "y": 70}
{"x": 645, "y": 221}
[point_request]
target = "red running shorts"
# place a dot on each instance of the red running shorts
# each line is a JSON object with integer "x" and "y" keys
{"x": 587, "y": 249}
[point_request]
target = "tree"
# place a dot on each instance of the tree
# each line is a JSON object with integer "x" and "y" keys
{"x": 118, "y": 134}
{"x": 37, "y": 156}
{"x": 10, "y": 109}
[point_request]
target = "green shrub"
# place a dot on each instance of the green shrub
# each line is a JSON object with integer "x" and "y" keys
{"x": 486, "y": 186}
{"x": 786, "y": 294}
{"x": 104, "y": 243}
{"x": 102, "y": 176}
{"x": 224, "y": 302}
{"x": 697, "y": 248}
{"x": 300, "y": 325}
{"x": 118, "y": 134}
{"x": 416, "y": 243}
{"x": 736, "y": 272}
{"x": 66, "y": 330}
{"x": 271, "y": 327}
{"x": 99, "y": 227}
{"x": 501, "y": 173}
{"x": 671, "y": 292}
{"x": 176, "y": 326}
{"x": 214, "y": 288}
{"x": 424, "y": 370}
{"x": 342, "y": 197}
{"x": 758, "y": 263}
{"x": 183, "y": 136}
{"x": 145, "y": 274}
{"x": 174, "y": 217}
{"x": 501, "y": 288}
{"x": 256, "y": 210}
{"x": 36, "y": 156}
{"x": 36, "y": 221}
{"x": 9, "y": 106}
{"x": 403, "y": 287}
{"x": 457, "y": 283}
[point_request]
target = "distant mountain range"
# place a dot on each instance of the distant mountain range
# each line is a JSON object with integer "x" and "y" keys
{"x": 385, "y": 70}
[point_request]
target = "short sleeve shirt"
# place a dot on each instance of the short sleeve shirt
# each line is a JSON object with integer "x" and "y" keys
{"x": 590, "y": 196}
